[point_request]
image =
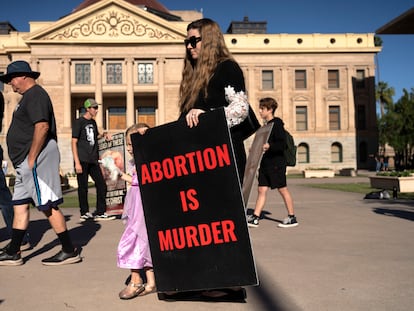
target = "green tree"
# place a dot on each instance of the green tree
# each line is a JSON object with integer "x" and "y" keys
{"x": 384, "y": 94}
{"x": 396, "y": 125}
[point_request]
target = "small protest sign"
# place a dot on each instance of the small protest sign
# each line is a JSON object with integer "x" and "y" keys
{"x": 253, "y": 160}
{"x": 114, "y": 148}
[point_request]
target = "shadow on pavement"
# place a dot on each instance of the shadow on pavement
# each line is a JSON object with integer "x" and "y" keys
{"x": 81, "y": 235}
{"x": 404, "y": 214}
{"x": 271, "y": 297}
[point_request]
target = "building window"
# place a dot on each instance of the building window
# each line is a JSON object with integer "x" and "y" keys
{"x": 117, "y": 118}
{"x": 82, "y": 73}
{"x": 334, "y": 118}
{"x": 267, "y": 79}
{"x": 146, "y": 115}
{"x": 300, "y": 79}
{"x": 361, "y": 118}
{"x": 303, "y": 153}
{"x": 114, "y": 73}
{"x": 360, "y": 79}
{"x": 145, "y": 73}
{"x": 336, "y": 153}
{"x": 333, "y": 79}
{"x": 301, "y": 118}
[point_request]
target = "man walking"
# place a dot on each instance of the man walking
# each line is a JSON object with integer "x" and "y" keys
{"x": 33, "y": 150}
{"x": 85, "y": 156}
{"x": 6, "y": 204}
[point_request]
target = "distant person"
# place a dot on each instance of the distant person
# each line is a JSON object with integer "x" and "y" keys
{"x": 33, "y": 150}
{"x": 86, "y": 156}
{"x": 6, "y": 204}
{"x": 272, "y": 170}
{"x": 377, "y": 163}
{"x": 386, "y": 163}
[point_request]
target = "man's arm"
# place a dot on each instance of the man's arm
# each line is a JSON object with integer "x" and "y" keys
{"x": 78, "y": 166}
{"x": 41, "y": 130}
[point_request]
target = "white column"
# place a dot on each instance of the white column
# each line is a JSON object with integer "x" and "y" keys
{"x": 34, "y": 64}
{"x": 251, "y": 88}
{"x": 287, "y": 110}
{"x": 98, "y": 91}
{"x": 350, "y": 98}
{"x": 66, "y": 93}
{"x": 130, "y": 111}
{"x": 321, "y": 116}
{"x": 160, "y": 116}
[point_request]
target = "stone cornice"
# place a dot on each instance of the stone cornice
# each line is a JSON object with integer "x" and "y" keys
{"x": 112, "y": 25}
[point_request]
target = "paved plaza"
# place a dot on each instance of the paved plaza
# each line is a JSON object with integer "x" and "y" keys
{"x": 346, "y": 254}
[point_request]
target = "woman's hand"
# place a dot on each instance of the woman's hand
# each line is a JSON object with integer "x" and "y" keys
{"x": 192, "y": 117}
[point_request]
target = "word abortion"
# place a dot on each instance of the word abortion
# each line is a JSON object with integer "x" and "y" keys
{"x": 181, "y": 165}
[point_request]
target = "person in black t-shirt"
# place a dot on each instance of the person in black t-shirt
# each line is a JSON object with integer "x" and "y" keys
{"x": 6, "y": 204}
{"x": 33, "y": 150}
{"x": 85, "y": 156}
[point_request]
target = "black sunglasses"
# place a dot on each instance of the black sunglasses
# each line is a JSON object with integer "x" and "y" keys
{"x": 192, "y": 40}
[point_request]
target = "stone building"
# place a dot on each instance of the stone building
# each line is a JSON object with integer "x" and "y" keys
{"x": 128, "y": 55}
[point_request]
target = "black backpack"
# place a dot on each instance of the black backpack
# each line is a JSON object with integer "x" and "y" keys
{"x": 290, "y": 150}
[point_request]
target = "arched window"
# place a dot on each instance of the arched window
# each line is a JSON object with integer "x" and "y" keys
{"x": 303, "y": 153}
{"x": 336, "y": 153}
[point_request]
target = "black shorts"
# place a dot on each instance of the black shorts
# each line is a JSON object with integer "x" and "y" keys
{"x": 273, "y": 177}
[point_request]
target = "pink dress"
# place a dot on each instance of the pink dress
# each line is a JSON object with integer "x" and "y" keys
{"x": 133, "y": 248}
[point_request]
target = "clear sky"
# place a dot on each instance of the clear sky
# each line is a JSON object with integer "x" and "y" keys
{"x": 395, "y": 62}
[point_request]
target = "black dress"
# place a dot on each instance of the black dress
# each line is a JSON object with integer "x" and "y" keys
{"x": 228, "y": 73}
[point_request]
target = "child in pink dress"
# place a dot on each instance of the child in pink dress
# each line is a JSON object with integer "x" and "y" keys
{"x": 133, "y": 248}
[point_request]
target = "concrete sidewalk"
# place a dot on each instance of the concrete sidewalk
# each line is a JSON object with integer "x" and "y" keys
{"x": 346, "y": 254}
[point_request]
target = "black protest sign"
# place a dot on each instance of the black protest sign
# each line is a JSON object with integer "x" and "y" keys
{"x": 193, "y": 206}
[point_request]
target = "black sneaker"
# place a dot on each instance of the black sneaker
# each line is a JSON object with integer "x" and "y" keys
{"x": 288, "y": 222}
{"x": 25, "y": 246}
{"x": 104, "y": 216}
{"x": 253, "y": 221}
{"x": 85, "y": 217}
{"x": 10, "y": 260}
{"x": 63, "y": 258}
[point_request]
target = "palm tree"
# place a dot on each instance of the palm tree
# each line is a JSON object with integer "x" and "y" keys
{"x": 384, "y": 95}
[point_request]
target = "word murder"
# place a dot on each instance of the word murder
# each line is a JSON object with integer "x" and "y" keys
{"x": 216, "y": 232}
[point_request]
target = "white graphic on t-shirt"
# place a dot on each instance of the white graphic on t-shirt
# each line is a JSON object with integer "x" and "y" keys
{"x": 90, "y": 137}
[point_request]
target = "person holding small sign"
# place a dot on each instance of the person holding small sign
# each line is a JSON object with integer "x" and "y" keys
{"x": 211, "y": 79}
{"x": 272, "y": 171}
{"x": 85, "y": 158}
{"x": 133, "y": 248}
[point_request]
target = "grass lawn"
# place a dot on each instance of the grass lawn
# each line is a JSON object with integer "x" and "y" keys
{"x": 70, "y": 199}
{"x": 363, "y": 188}
{"x": 351, "y": 187}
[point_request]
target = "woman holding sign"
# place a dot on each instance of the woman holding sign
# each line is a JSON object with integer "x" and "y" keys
{"x": 212, "y": 79}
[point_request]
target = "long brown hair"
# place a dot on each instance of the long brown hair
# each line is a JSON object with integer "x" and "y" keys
{"x": 197, "y": 73}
